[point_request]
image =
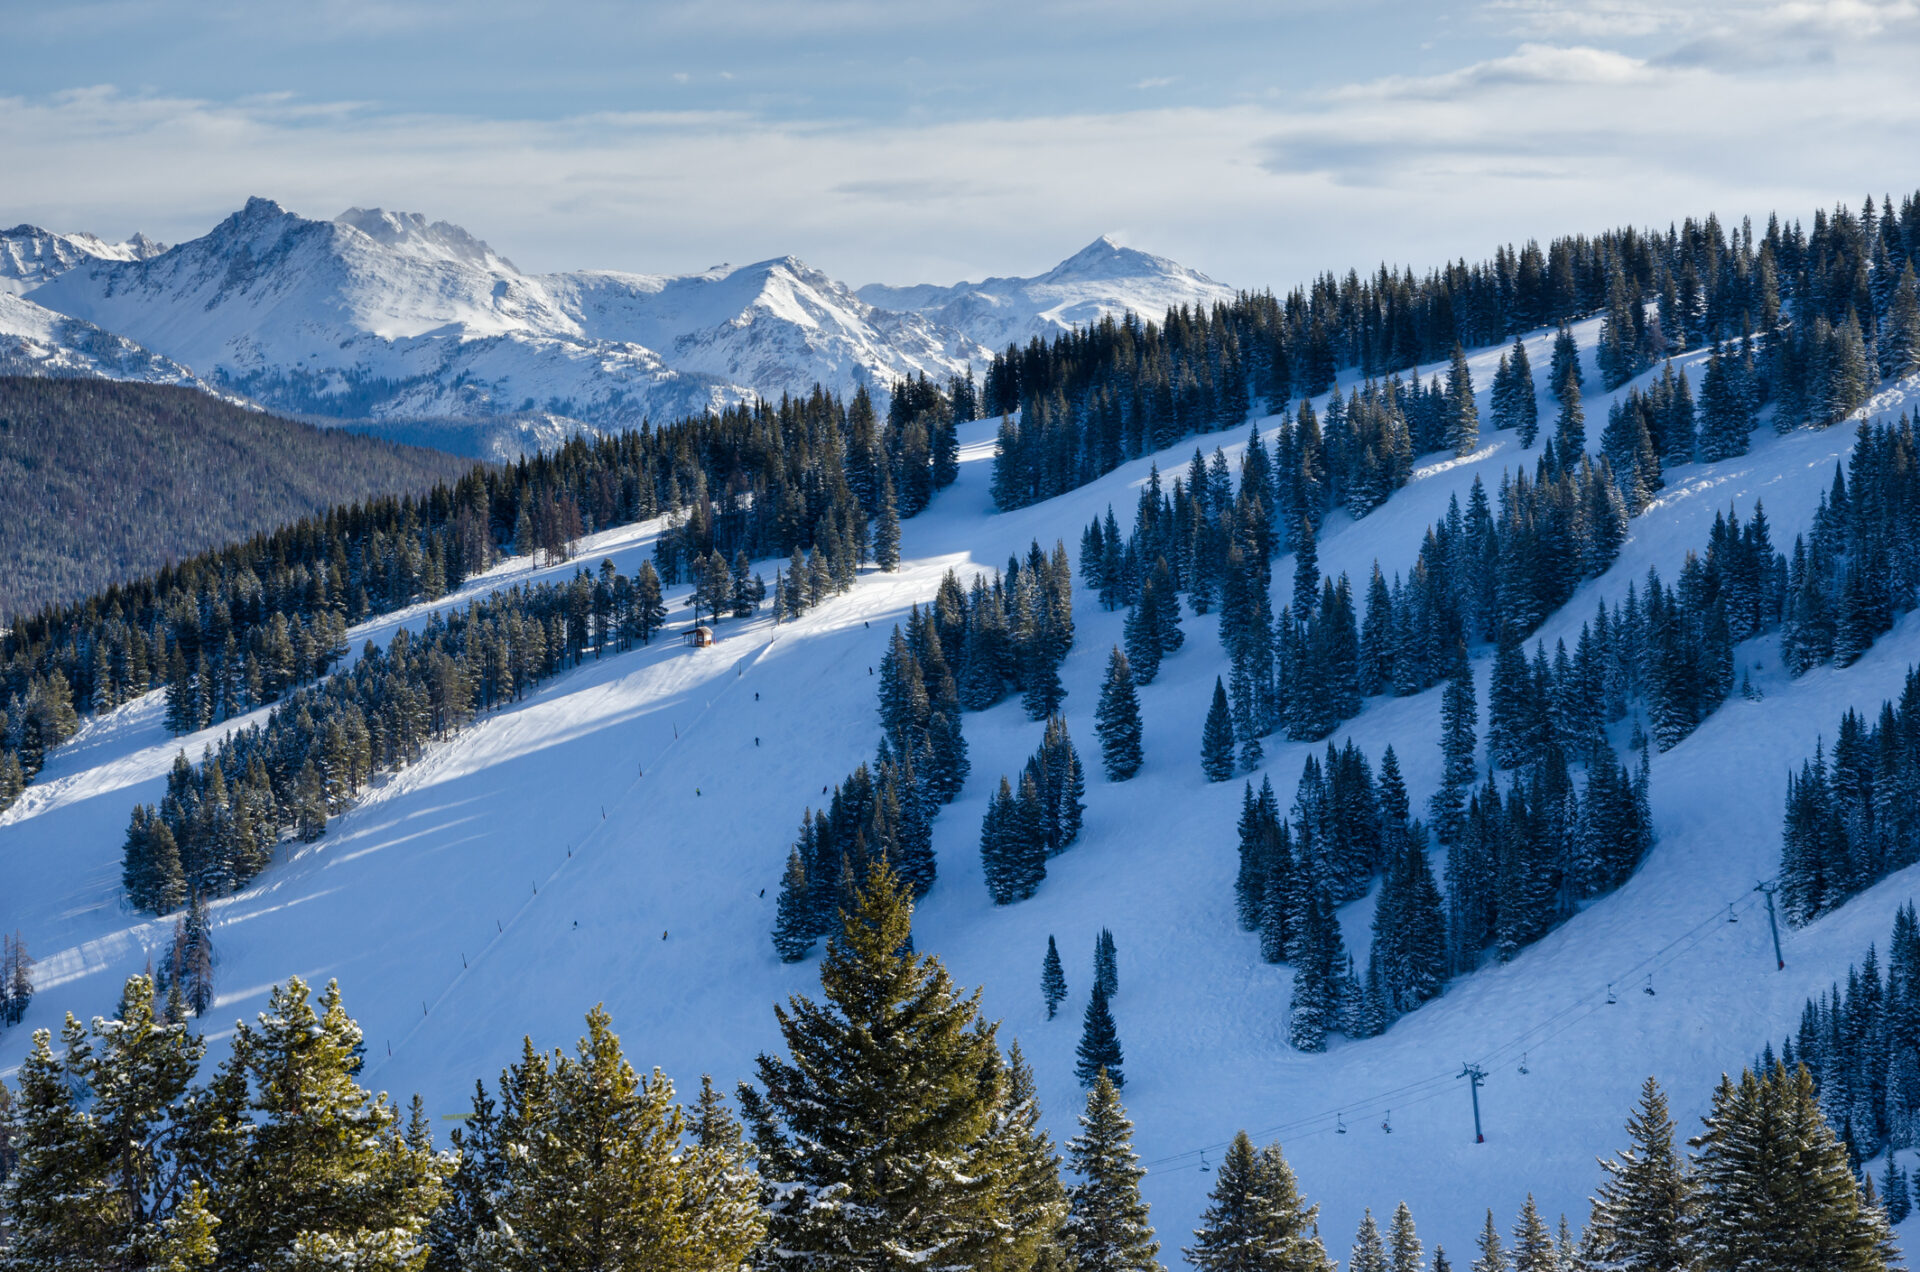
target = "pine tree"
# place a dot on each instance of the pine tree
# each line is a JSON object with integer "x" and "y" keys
{"x": 1369, "y": 1252}
{"x": 1216, "y": 739}
{"x": 1099, "y": 1051}
{"x": 1458, "y": 715}
{"x": 316, "y": 1170}
{"x": 188, "y": 1243}
{"x": 1256, "y": 1220}
{"x": 1034, "y": 1235}
{"x": 793, "y": 926}
{"x": 473, "y": 1190}
{"x": 94, "y": 1129}
{"x": 1493, "y": 1255}
{"x": 1463, "y": 418}
{"x": 1570, "y": 426}
{"x": 1118, "y": 720}
{"x": 878, "y": 1137}
{"x": 1532, "y": 1244}
{"x": 1053, "y": 979}
{"x": 1524, "y": 402}
{"x": 1640, "y": 1214}
{"x": 1143, "y": 633}
{"x": 886, "y": 530}
{"x": 1898, "y": 1198}
{"x": 600, "y": 1178}
{"x": 1900, "y": 346}
{"x": 1773, "y": 1186}
{"x": 1106, "y": 963}
{"x": 1403, "y": 1244}
{"x": 1108, "y": 1230}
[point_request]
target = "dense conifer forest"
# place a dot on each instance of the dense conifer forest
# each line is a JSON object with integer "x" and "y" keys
{"x": 105, "y": 482}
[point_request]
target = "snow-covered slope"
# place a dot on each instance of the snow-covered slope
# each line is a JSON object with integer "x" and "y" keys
{"x": 30, "y": 256}
{"x": 36, "y": 341}
{"x": 1099, "y": 280}
{"x": 527, "y": 870}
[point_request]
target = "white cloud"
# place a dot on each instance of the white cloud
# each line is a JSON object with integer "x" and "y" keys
{"x": 1530, "y": 64}
{"x": 1545, "y": 139}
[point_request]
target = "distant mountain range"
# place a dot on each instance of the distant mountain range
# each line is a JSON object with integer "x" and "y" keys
{"x": 418, "y": 330}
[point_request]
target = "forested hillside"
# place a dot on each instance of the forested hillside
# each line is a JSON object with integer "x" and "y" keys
{"x": 103, "y": 482}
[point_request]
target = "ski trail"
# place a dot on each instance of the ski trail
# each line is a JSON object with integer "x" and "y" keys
{"x": 505, "y": 927}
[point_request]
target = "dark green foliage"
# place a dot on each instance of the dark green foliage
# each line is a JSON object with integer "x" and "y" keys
{"x": 1773, "y": 1187}
{"x": 1099, "y": 1054}
{"x": 1108, "y": 1229}
{"x": 1216, "y": 739}
{"x": 891, "y": 1127}
{"x": 105, "y": 481}
{"x": 1463, "y": 418}
{"x": 1256, "y": 1220}
{"x": 1641, "y": 1213}
{"x": 1106, "y": 963}
{"x": 1118, "y": 720}
{"x": 1053, "y": 979}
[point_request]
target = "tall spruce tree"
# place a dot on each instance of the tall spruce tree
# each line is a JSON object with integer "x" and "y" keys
{"x": 1216, "y": 738}
{"x": 1369, "y": 1251}
{"x": 1570, "y": 426}
{"x": 1640, "y": 1214}
{"x": 879, "y": 1136}
{"x": 1118, "y": 720}
{"x": 1463, "y": 418}
{"x": 1403, "y": 1243}
{"x": 1773, "y": 1187}
{"x": 1106, "y": 963}
{"x": 1053, "y": 979}
{"x": 1108, "y": 1230}
{"x": 1532, "y": 1244}
{"x": 1458, "y": 715}
{"x": 1493, "y": 1254}
{"x": 1098, "y": 1058}
{"x": 1256, "y": 1220}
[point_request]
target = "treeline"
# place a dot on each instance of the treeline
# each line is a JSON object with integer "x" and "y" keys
{"x": 105, "y": 481}
{"x": 1817, "y": 314}
{"x": 894, "y": 1131}
{"x": 1855, "y": 817}
{"x": 232, "y": 629}
{"x": 969, "y": 649}
{"x": 1519, "y": 863}
{"x": 1860, "y": 1041}
{"x": 217, "y": 825}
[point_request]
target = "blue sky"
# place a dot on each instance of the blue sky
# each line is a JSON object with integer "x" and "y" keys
{"x": 920, "y": 142}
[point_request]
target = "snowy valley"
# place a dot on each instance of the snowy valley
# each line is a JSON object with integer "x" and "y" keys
{"x": 617, "y": 836}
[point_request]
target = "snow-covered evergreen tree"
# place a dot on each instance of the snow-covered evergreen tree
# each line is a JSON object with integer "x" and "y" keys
{"x": 1256, "y": 1220}
{"x": 1641, "y": 1212}
{"x": 1108, "y": 1230}
{"x": 1118, "y": 720}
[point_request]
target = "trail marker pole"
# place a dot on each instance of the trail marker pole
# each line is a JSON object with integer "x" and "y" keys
{"x": 1475, "y": 1075}
{"x": 1767, "y": 890}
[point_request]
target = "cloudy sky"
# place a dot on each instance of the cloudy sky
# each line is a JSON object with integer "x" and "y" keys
{"x": 1259, "y": 140}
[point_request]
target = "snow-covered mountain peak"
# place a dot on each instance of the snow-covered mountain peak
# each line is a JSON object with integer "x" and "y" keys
{"x": 1107, "y": 259}
{"x": 30, "y": 255}
{"x": 411, "y": 232}
{"x": 1103, "y": 279}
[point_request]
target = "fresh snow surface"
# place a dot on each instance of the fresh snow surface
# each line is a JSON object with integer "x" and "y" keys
{"x": 1102, "y": 279}
{"x": 527, "y": 870}
{"x": 36, "y": 341}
